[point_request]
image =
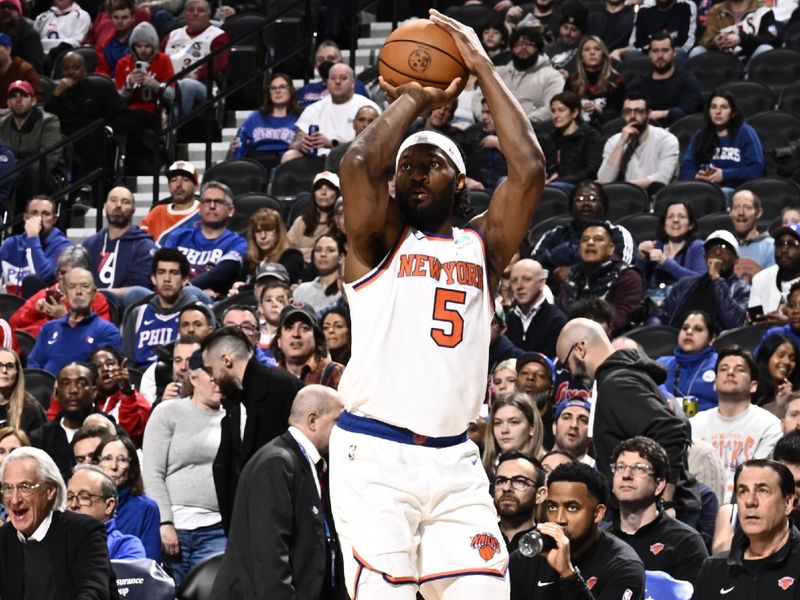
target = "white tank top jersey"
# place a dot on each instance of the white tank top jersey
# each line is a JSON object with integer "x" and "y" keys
{"x": 184, "y": 49}
{"x": 420, "y": 334}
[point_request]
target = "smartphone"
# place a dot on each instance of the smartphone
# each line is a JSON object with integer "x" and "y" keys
{"x": 53, "y": 296}
{"x": 755, "y": 312}
{"x": 141, "y": 65}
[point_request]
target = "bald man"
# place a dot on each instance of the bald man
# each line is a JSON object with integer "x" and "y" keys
{"x": 282, "y": 537}
{"x": 627, "y": 402}
{"x": 533, "y": 322}
{"x": 121, "y": 254}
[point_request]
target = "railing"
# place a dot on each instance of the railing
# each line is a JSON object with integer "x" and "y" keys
{"x": 97, "y": 174}
{"x": 208, "y": 108}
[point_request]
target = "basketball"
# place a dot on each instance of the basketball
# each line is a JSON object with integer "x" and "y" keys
{"x": 421, "y": 51}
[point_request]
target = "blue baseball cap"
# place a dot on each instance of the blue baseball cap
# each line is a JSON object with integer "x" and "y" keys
{"x": 579, "y": 402}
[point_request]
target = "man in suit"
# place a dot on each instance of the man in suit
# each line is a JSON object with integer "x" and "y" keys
{"x": 282, "y": 541}
{"x": 47, "y": 553}
{"x": 257, "y": 404}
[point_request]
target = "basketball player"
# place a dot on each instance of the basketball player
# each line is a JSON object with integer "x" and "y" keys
{"x": 409, "y": 494}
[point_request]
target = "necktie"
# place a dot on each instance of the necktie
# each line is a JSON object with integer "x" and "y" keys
{"x": 626, "y": 158}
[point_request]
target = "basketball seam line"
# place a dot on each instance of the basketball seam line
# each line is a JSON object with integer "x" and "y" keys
{"x": 445, "y": 52}
{"x": 415, "y": 77}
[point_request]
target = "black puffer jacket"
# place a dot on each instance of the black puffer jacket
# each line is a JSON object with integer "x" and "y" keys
{"x": 575, "y": 157}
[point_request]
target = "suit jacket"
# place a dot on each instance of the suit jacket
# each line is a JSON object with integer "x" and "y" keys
{"x": 78, "y": 556}
{"x": 267, "y": 395}
{"x": 276, "y": 546}
{"x": 51, "y": 438}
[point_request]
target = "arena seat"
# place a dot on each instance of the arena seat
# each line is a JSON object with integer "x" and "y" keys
{"x": 631, "y": 68}
{"x": 746, "y": 337}
{"x": 612, "y": 127}
{"x": 246, "y": 205}
{"x": 625, "y": 199}
{"x": 26, "y": 342}
{"x": 89, "y": 54}
{"x": 40, "y": 384}
{"x": 776, "y": 68}
{"x": 685, "y": 127}
{"x": 553, "y": 203}
{"x": 751, "y": 97}
{"x": 791, "y": 39}
{"x": 247, "y": 55}
{"x": 774, "y": 193}
{"x": 775, "y": 130}
{"x": 295, "y": 176}
{"x": 708, "y": 223}
{"x": 297, "y": 206}
{"x": 9, "y": 304}
{"x": 242, "y": 175}
{"x": 474, "y": 15}
{"x": 539, "y": 228}
{"x": 790, "y": 98}
{"x": 714, "y": 69}
{"x": 642, "y": 226}
{"x": 706, "y": 198}
{"x": 656, "y": 340}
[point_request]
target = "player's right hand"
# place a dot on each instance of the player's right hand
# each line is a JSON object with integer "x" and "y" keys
{"x": 470, "y": 47}
{"x": 427, "y": 98}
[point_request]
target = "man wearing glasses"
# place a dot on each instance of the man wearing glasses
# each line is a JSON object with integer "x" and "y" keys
{"x": 518, "y": 492}
{"x": 641, "y": 154}
{"x": 213, "y": 251}
{"x": 663, "y": 543}
{"x": 91, "y": 492}
{"x": 48, "y": 553}
{"x": 627, "y": 402}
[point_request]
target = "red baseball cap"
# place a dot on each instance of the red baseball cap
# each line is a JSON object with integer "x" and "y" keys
{"x": 21, "y": 84}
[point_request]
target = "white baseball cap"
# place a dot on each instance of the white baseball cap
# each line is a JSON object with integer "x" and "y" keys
{"x": 328, "y": 176}
{"x": 724, "y": 236}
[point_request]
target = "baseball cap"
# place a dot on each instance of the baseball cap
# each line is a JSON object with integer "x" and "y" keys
{"x": 434, "y": 138}
{"x": 22, "y": 85}
{"x": 183, "y": 167}
{"x": 723, "y": 235}
{"x": 5, "y": 40}
{"x": 579, "y": 402}
{"x": 15, "y": 3}
{"x": 574, "y": 15}
{"x": 792, "y": 228}
{"x": 328, "y": 176}
{"x": 196, "y": 360}
{"x": 270, "y": 269}
{"x": 299, "y": 308}
{"x": 538, "y": 357}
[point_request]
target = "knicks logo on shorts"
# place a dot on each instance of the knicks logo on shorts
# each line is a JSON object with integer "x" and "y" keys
{"x": 486, "y": 545}
{"x": 785, "y": 582}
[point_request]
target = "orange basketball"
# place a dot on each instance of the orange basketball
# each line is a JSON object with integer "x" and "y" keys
{"x": 421, "y": 51}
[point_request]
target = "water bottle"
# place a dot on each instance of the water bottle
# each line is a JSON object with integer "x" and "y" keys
{"x": 534, "y": 543}
{"x": 312, "y": 129}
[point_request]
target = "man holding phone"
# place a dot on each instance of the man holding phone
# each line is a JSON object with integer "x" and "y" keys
{"x": 770, "y": 288}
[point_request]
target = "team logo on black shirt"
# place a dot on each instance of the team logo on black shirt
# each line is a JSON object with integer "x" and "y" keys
{"x": 785, "y": 582}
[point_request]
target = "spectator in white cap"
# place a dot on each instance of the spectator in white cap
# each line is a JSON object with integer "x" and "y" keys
{"x": 318, "y": 218}
{"x": 771, "y": 286}
{"x": 719, "y": 292}
{"x": 182, "y": 206}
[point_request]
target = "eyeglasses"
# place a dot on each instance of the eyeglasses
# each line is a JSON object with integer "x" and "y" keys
{"x": 588, "y": 198}
{"x": 571, "y": 350}
{"x": 518, "y": 482}
{"x": 83, "y": 498}
{"x": 278, "y": 88}
{"x": 210, "y": 201}
{"x": 245, "y": 327}
{"x": 719, "y": 246}
{"x": 9, "y": 366}
{"x": 639, "y": 469}
{"x": 108, "y": 459}
{"x": 787, "y": 243}
{"x": 24, "y": 489}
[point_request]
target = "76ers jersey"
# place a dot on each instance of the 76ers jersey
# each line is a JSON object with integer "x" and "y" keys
{"x": 420, "y": 334}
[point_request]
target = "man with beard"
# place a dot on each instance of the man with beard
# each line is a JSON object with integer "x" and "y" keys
{"x": 559, "y": 249}
{"x": 155, "y": 323}
{"x": 257, "y": 402}
{"x": 770, "y": 288}
{"x": 72, "y": 337}
{"x": 121, "y": 254}
{"x": 34, "y": 253}
{"x": 613, "y": 23}
{"x": 180, "y": 208}
{"x": 719, "y": 291}
{"x": 518, "y": 491}
{"x": 671, "y": 92}
{"x": 571, "y": 428}
{"x": 628, "y": 402}
{"x": 563, "y": 51}
{"x": 214, "y": 252}
{"x": 420, "y": 294}
{"x": 641, "y": 154}
{"x": 26, "y": 40}
{"x": 662, "y": 542}
{"x": 75, "y": 393}
{"x": 756, "y": 248}
{"x": 529, "y": 76}
{"x": 586, "y": 562}
{"x": 27, "y": 130}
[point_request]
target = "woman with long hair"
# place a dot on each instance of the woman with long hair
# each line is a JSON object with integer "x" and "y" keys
{"x": 136, "y": 514}
{"x": 514, "y": 424}
{"x": 325, "y": 289}
{"x": 675, "y": 252}
{"x": 600, "y": 88}
{"x": 336, "y": 327}
{"x": 267, "y": 132}
{"x": 318, "y": 218}
{"x": 575, "y": 150}
{"x": 18, "y": 408}
{"x": 778, "y": 374}
{"x": 726, "y": 151}
{"x": 267, "y": 241}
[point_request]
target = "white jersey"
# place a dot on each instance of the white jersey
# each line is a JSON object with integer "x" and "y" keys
{"x": 184, "y": 49}
{"x": 420, "y": 334}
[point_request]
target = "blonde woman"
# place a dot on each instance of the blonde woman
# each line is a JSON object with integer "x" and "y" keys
{"x": 514, "y": 424}
{"x": 18, "y": 408}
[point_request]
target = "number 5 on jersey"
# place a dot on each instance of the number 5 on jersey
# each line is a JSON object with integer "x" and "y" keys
{"x": 444, "y": 303}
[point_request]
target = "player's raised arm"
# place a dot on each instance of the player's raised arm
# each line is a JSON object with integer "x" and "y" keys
{"x": 373, "y": 220}
{"x": 513, "y": 203}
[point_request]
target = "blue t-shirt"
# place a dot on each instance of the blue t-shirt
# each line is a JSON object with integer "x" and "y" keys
{"x": 261, "y": 133}
{"x": 204, "y": 254}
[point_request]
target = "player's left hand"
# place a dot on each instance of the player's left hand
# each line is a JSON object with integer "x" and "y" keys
{"x": 466, "y": 39}
{"x": 559, "y": 557}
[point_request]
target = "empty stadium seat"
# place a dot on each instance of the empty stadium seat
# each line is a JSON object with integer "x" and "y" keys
{"x": 242, "y": 175}
{"x": 631, "y": 68}
{"x": 775, "y": 129}
{"x": 295, "y": 176}
{"x": 296, "y": 207}
{"x": 9, "y": 304}
{"x": 713, "y": 69}
{"x": 246, "y": 205}
{"x": 774, "y": 193}
{"x": 776, "y": 68}
{"x": 790, "y": 98}
{"x": 705, "y": 198}
{"x": 642, "y": 226}
{"x": 39, "y": 384}
{"x": 625, "y": 199}
{"x": 712, "y": 222}
{"x": 685, "y": 127}
{"x": 751, "y": 97}
{"x": 612, "y": 127}
{"x": 791, "y": 39}
{"x": 656, "y": 340}
{"x": 746, "y": 337}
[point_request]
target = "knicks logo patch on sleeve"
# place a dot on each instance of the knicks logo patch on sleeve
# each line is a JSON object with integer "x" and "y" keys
{"x": 785, "y": 582}
{"x": 486, "y": 545}
{"x": 590, "y": 583}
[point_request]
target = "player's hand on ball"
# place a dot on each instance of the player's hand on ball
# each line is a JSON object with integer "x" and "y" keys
{"x": 466, "y": 39}
{"x": 429, "y": 97}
